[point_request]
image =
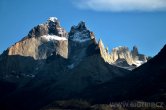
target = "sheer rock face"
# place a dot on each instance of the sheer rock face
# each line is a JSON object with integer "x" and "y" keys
{"x": 43, "y": 41}
{"x": 28, "y": 47}
{"x": 104, "y": 52}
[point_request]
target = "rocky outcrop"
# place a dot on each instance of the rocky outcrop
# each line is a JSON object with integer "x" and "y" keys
{"x": 121, "y": 55}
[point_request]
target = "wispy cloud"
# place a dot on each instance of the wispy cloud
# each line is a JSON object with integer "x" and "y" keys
{"x": 122, "y": 5}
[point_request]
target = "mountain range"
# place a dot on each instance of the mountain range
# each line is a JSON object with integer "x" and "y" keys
{"x": 51, "y": 64}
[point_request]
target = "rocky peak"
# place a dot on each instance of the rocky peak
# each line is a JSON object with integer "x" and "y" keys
{"x": 81, "y": 26}
{"x": 100, "y": 44}
{"x": 80, "y": 33}
{"x": 104, "y": 52}
{"x": 82, "y": 43}
{"x": 134, "y": 52}
{"x": 52, "y": 19}
{"x": 135, "y": 49}
{"x": 51, "y": 27}
{"x": 53, "y": 22}
{"x": 43, "y": 41}
{"x": 122, "y": 57}
{"x": 121, "y": 52}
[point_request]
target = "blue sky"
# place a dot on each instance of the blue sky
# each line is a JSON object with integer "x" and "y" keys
{"x": 116, "y": 22}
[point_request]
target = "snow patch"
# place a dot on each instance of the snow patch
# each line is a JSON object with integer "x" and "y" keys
{"x": 128, "y": 68}
{"x": 138, "y": 63}
{"x": 79, "y": 37}
{"x": 53, "y": 37}
{"x": 53, "y": 19}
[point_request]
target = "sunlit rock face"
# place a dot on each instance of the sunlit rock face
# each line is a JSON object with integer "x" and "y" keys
{"x": 121, "y": 56}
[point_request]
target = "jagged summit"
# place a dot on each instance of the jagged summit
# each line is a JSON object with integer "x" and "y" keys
{"x": 50, "y": 27}
{"x": 81, "y": 26}
{"x": 121, "y": 55}
{"x": 100, "y": 43}
{"x": 80, "y": 33}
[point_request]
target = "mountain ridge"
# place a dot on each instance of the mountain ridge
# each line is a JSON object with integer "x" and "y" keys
{"x": 41, "y": 38}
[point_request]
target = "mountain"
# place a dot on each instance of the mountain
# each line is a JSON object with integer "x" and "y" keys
{"x": 50, "y": 64}
{"x": 26, "y": 57}
{"x": 42, "y": 41}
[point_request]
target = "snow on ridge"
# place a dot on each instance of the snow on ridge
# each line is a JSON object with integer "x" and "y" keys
{"x": 53, "y": 19}
{"x": 53, "y": 37}
{"x": 138, "y": 63}
{"x": 79, "y": 37}
{"x": 80, "y": 40}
